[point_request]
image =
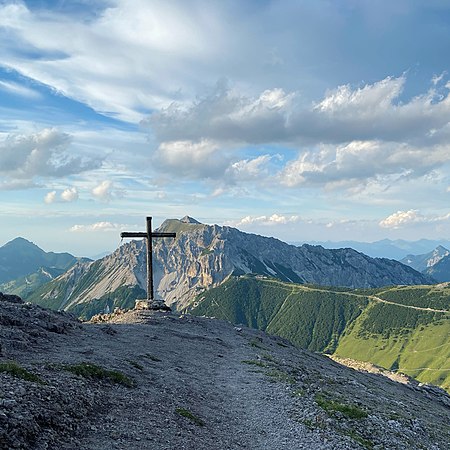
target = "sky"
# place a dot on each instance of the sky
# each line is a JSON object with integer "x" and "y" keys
{"x": 304, "y": 120}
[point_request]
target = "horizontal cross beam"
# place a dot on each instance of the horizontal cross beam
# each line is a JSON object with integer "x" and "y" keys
{"x": 149, "y": 235}
{"x": 139, "y": 234}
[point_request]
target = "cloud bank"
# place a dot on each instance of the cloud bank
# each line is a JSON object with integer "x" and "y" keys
{"x": 45, "y": 154}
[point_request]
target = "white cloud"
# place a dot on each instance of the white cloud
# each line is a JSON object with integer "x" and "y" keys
{"x": 104, "y": 190}
{"x": 225, "y": 115}
{"x": 69, "y": 194}
{"x": 274, "y": 219}
{"x": 371, "y": 112}
{"x": 248, "y": 169}
{"x": 42, "y": 154}
{"x": 402, "y": 218}
{"x": 367, "y": 101}
{"x": 438, "y": 78}
{"x": 207, "y": 160}
{"x": 118, "y": 44}
{"x": 362, "y": 161}
{"x": 192, "y": 159}
{"x": 161, "y": 195}
{"x": 50, "y": 197}
{"x": 352, "y": 136}
{"x": 100, "y": 226}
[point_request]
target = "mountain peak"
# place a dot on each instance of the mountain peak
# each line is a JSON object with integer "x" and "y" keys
{"x": 21, "y": 242}
{"x": 188, "y": 219}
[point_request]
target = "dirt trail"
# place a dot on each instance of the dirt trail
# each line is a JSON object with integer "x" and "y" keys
{"x": 353, "y": 294}
{"x": 198, "y": 384}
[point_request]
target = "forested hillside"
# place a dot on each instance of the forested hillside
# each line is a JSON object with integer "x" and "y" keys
{"x": 399, "y": 328}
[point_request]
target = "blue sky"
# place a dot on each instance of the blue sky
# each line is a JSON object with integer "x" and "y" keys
{"x": 304, "y": 120}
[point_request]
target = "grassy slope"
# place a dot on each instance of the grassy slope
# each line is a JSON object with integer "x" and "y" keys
{"x": 123, "y": 297}
{"x": 25, "y": 286}
{"x": 349, "y": 323}
{"x": 414, "y": 342}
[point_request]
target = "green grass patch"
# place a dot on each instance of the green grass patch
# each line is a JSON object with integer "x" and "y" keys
{"x": 278, "y": 375}
{"x": 256, "y": 342}
{"x": 298, "y": 393}
{"x": 359, "y": 439}
{"x": 253, "y": 362}
{"x": 269, "y": 357}
{"x": 89, "y": 370}
{"x": 330, "y": 406}
{"x": 186, "y": 413}
{"x": 136, "y": 365}
{"x": 313, "y": 424}
{"x": 14, "y": 369}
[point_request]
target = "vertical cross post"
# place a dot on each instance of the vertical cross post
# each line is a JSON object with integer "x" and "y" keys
{"x": 148, "y": 235}
{"x": 150, "y": 294}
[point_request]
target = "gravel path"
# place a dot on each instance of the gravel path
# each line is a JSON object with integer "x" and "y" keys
{"x": 198, "y": 384}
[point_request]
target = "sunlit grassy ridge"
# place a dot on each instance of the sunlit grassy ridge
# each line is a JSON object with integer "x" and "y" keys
{"x": 399, "y": 328}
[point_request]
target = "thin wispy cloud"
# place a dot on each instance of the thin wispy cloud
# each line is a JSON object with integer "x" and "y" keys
{"x": 335, "y": 112}
{"x": 18, "y": 89}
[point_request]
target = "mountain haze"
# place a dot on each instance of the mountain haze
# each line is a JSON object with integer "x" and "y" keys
{"x": 21, "y": 257}
{"x": 203, "y": 256}
{"x": 387, "y": 248}
{"x": 421, "y": 263}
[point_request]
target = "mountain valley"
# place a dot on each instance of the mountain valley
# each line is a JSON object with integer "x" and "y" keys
{"x": 404, "y": 329}
{"x": 202, "y": 257}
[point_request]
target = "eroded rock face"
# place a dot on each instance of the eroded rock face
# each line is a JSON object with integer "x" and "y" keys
{"x": 203, "y": 256}
{"x": 28, "y": 321}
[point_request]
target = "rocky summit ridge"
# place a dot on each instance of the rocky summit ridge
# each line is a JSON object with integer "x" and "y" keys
{"x": 148, "y": 380}
{"x": 203, "y": 256}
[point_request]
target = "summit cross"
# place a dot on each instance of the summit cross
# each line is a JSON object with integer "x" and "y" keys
{"x": 148, "y": 235}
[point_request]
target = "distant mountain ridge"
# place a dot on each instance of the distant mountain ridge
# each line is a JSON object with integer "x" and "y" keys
{"x": 21, "y": 257}
{"x": 435, "y": 264}
{"x": 203, "y": 256}
{"x": 427, "y": 260}
{"x": 386, "y": 248}
{"x": 441, "y": 270}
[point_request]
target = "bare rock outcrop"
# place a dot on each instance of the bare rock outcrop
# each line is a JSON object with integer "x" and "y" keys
{"x": 203, "y": 256}
{"x": 153, "y": 380}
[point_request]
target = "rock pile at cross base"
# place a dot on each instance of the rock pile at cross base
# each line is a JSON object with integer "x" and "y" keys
{"x": 147, "y": 380}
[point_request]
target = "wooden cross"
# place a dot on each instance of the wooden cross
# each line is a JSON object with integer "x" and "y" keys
{"x": 149, "y": 235}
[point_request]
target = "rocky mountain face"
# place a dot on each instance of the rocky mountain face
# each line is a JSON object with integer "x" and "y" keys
{"x": 150, "y": 380}
{"x": 20, "y": 257}
{"x": 423, "y": 262}
{"x": 435, "y": 264}
{"x": 440, "y": 271}
{"x": 203, "y": 256}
